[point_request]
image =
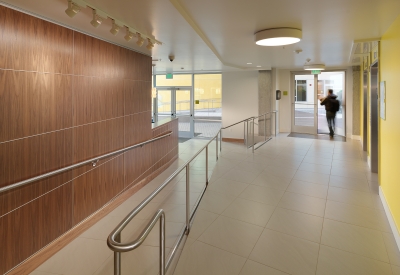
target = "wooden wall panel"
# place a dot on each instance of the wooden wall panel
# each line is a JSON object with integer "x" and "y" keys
{"x": 32, "y": 44}
{"x": 94, "y": 57}
{"x": 97, "y": 186}
{"x": 31, "y": 227}
{"x": 33, "y": 103}
{"x": 97, "y": 99}
{"x": 66, "y": 97}
{"x": 96, "y": 139}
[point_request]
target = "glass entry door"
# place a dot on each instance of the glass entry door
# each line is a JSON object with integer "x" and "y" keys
{"x": 308, "y": 116}
{"x": 304, "y": 103}
{"x": 176, "y": 102}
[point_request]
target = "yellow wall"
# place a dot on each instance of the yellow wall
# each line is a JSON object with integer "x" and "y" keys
{"x": 389, "y": 134}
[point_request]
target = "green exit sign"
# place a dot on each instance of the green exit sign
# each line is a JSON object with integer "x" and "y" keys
{"x": 315, "y": 71}
{"x": 170, "y": 76}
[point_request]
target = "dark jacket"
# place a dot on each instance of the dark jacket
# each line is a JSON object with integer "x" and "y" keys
{"x": 328, "y": 103}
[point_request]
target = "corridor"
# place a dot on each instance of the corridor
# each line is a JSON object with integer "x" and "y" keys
{"x": 297, "y": 206}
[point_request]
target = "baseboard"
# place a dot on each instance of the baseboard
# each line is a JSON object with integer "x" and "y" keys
{"x": 233, "y": 140}
{"x": 393, "y": 226}
{"x": 369, "y": 162}
{"x": 34, "y": 261}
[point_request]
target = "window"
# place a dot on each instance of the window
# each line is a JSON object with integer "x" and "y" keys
{"x": 301, "y": 90}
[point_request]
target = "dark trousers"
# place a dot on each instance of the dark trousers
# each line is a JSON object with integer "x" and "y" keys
{"x": 330, "y": 117}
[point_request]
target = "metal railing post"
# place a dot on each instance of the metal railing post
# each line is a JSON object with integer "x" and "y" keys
{"x": 244, "y": 133}
{"x": 253, "y": 136}
{"x": 117, "y": 257}
{"x": 220, "y": 140}
{"x": 187, "y": 200}
{"x": 206, "y": 165}
{"x": 216, "y": 144}
{"x": 265, "y": 127}
{"x": 162, "y": 244}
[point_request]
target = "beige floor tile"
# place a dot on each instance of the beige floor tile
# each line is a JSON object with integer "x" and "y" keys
{"x": 377, "y": 202}
{"x": 253, "y": 268}
{"x": 279, "y": 171}
{"x": 316, "y": 160}
{"x": 176, "y": 197}
{"x": 308, "y": 188}
{"x": 227, "y": 186}
{"x": 302, "y": 203}
{"x": 105, "y": 226}
{"x": 202, "y": 221}
{"x": 286, "y": 253}
{"x": 262, "y": 194}
{"x": 297, "y": 224}
{"x": 200, "y": 258}
{"x": 315, "y": 168}
{"x": 267, "y": 180}
{"x": 349, "y": 183}
{"x": 232, "y": 235}
{"x": 316, "y": 178}
{"x": 215, "y": 202}
{"x": 249, "y": 211}
{"x": 172, "y": 231}
{"x": 332, "y": 261}
{"x": 350, "y": 196}
{"x": 240, "y": 175}
{"x": 356, "y": 215}
{"x": 383, "y": 220}
{"x": 355, "y": 239}
{"x": 196, "y": 187}
{"x": 392, "y": 248}
{"x": 143, "y": 260}
{"x": 348, "y": 173}
{"x": 81, "y": 256}
{"x": 396, "y": 270}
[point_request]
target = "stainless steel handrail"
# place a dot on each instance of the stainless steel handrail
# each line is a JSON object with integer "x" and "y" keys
{"x": 92, "y": 160}
{"x": 114, "y": 239}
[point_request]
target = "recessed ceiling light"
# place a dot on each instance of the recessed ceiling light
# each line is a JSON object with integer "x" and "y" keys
{"x": 278, "y": 37}
{"x": 249, "y": 63}
{"x": 258, "y": 66}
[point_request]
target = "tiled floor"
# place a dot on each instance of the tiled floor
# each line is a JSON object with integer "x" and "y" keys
{"x": 297, "y": 206}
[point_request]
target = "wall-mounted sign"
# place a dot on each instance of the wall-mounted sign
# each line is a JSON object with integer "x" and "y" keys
{"x": 285, "y": 93}
{"x": 383, "y": 99}
{"x": 197, "y": 102}
{"x": 316, "y": 72}
{"x": 169, "y": 76}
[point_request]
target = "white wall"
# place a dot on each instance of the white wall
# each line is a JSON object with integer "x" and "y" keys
{"x": 284, "y": 105}
{"x": 239, "y": 100}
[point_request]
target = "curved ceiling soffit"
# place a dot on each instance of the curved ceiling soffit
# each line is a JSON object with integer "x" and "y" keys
{"x": 200, "y": 32}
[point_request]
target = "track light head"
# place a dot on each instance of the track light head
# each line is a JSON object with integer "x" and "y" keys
{"x": 128, "y": 36}
{"x": 72, "y": 9}
{"x": 140, "y": 40}
{"x": 115, "y": 28}
{"x": 150, "y": 44}
{"x": 96, "y": 20}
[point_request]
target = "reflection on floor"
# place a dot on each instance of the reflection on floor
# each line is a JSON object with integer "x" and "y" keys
{"x": 321, "y": 136}
{"x": 297, "y": 206}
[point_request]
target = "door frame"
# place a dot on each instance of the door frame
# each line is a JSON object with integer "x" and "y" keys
{"x": 343, "y": 103}
{"x": 299, "y": 128}
{"x": 184, "y": 134}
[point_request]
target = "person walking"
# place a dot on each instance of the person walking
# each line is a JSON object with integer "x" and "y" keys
{"x": 331, "y": 107}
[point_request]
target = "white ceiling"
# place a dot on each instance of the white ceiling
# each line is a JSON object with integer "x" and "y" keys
{"x": 218, "y": 35}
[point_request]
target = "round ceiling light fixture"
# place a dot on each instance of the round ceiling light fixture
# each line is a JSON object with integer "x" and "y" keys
{"x": 278, "y": 36}
{"x": 313, "y": 67}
